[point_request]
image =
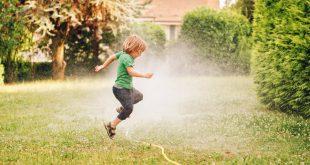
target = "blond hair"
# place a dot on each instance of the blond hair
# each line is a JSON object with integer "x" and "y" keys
{"x": 134, "y": 43}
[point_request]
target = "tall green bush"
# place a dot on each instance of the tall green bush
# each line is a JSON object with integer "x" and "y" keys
{"x": 221, "y": 36}
{"x": 282, "y": 56}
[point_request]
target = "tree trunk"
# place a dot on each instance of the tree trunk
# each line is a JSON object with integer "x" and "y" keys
{"x": 59, "y": 64}
{"x": 9, "y": 68}
{"x": 9, "y": 72}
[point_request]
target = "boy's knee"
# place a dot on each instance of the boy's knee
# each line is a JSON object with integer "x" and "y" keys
{"x": 125, "y": 113}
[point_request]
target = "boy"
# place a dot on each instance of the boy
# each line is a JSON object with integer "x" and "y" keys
{"x": 123, "y": 89}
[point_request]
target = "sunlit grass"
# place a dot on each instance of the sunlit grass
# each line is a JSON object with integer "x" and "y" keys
{"x": 198, "y": 120}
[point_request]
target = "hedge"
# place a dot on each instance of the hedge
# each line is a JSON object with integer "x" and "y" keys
{"x": 1, "y": 73}
{"x": 26, "y": 71}
{"x": 223, "y": 37}
{"x": 281, "y": 57}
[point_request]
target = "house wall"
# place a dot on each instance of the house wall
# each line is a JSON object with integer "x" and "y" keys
{"x": 168, "y": 13}
{"x": 169, "y": 28}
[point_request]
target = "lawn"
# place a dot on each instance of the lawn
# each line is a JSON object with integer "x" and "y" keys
{"x": 198, "y": 120}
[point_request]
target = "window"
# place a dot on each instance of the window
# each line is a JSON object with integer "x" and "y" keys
{"x": 172, "y": 32}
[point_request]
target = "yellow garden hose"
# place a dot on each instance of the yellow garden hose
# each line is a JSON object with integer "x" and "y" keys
{"x": 162, "y": 152}
{"x": 158, "y": 146}
{"x": 155, "y": 145}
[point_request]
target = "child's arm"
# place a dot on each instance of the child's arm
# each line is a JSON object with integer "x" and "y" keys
{"x": 106, "y": 63}
{"x": 133, "y": 73}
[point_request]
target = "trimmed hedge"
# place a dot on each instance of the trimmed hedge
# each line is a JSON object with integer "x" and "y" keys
{"x": 223, "y": 37}
{"x": 42, "y": 70}
{"x": 25, "y": 71}
{"x": 1, "y": 73}
{"x": 282, "y": 56}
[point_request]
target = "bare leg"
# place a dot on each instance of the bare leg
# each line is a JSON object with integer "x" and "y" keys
{"x": 115, "y": 122}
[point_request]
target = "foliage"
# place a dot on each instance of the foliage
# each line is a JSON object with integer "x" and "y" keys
{"x": 80, "y": 56}
{"x": 221, "y": 36}
{"x": 41, "y": 70}
{"x": 1, "y": 73}
{"x": 56, "y": 20}
{"x": 245, "y": 7}
{"x": 27, "y": 71}
{"x": 153, "y": 34}
{"x": 281, "y": 58}
{"x": 79, "y": 50}
{"x": 14, "y": 37}
{"x": 50, "y": 17}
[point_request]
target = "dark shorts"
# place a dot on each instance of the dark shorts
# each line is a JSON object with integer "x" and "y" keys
{"x": 127, "y": 98}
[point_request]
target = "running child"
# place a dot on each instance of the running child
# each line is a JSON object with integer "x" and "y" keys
{"x": 123, "y": 89}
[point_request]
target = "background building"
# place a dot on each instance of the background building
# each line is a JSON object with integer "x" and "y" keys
{"x": 169, "y": 13}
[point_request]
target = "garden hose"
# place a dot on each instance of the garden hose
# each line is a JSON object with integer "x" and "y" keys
{"x": 155, "y": 145}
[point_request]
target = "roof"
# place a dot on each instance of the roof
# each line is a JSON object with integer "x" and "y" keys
{"x": 173, "y": 10}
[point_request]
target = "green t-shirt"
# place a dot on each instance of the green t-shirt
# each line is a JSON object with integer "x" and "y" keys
{"x": 123, "y": 78}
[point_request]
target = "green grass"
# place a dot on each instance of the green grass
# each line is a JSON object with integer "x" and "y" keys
{"x": 197, "y": 120}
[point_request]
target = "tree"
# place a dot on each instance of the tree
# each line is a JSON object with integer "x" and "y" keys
{"x": 14, "y": 37}
{"x": 54, "y": 20}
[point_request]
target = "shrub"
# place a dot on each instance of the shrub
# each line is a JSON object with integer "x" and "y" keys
{"x": 14, "y": 37}
{"x": 153, "y": 34}
{"x": 25, "y": 71}
{"x": 42, "y": 70}
{"x": 1, "y": 73}
{"x": 221, "y": 36}
{"x": 15, "y": 71}
{"x": 281, "y": 57}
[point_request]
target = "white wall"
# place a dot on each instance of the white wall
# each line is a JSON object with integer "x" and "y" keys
{"x": 166, "y": 28}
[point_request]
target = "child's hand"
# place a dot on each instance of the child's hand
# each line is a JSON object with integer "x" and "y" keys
{"x": 98, "y": 68}
{"x": 148, "y": 75}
